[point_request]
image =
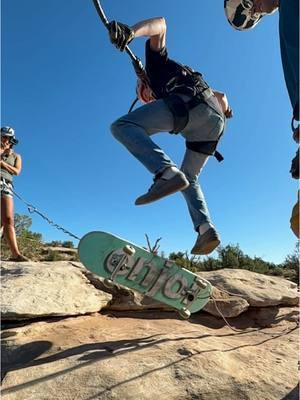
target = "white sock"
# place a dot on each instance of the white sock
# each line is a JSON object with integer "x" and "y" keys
{"x": 204, "y": 228}
{"x": 170, "y": 172}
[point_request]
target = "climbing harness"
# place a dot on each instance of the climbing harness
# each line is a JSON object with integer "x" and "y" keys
{"x": 207, "y": 147}
{"x": 33, "y": 209}
{"x": 185, "y": 82}
{"x": 201, "y": 92}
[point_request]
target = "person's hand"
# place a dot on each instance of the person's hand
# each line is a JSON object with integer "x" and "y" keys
{"x": 4, "y": 147}
{"x": 228, "y": 113}
{"x": 120, "y": 34}
{"x": 3, "y": 151}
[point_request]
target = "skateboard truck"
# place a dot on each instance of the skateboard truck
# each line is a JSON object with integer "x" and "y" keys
{"x": 190, "y": 297}
{"x": 121, "y": 265}
{"x": 191, "y": 293}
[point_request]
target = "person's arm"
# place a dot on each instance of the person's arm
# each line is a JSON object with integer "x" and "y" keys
{"x": 155, "y": 28}
{"x": 223, "y": 102}
{"x": 16, "y": 169}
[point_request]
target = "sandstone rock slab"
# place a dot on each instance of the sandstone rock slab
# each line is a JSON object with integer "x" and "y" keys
{"x": 147, "y": 357}
{"x": 35, "y": 290}
{"x": 258, "y": 290}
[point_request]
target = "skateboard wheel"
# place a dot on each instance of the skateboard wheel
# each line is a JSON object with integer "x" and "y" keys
{"x": 129, "y": 250}
{"x": 108, "y": 283}
{"x": 184, "y": 313}
{"x": 200, "y": 283}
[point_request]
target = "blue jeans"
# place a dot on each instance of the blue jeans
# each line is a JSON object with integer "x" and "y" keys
{"x": 135, "y": 129}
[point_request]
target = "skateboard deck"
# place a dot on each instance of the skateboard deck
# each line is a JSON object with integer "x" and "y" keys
{"x": 119, "y": 261}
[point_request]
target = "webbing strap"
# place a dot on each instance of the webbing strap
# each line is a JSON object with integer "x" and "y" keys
{"x": 179, "y": 110}
{"x": 206, "y": 147}
{"x": 200, "y": 98}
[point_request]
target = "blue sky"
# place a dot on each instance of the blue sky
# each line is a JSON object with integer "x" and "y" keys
{"x": 63, "y": 84}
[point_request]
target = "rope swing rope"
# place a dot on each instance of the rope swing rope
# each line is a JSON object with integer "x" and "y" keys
{"x": 136, "y": 62}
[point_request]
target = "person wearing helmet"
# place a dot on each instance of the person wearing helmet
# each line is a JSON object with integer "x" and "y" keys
{"x": 244, "y": 15}
{"x": 11, "y": 164}
{"x": 176, "y": 99}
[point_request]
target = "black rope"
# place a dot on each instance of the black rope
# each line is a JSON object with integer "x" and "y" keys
{"x": 138, "y": 66}
{"x": 137, "y": 63}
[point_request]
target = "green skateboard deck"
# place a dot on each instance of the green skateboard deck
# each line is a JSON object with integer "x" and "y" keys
{"x": 119, "y": 261}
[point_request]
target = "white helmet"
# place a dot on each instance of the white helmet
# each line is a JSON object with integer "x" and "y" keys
{"x": 240, "y": 16}
{"x": 9, "y": 132}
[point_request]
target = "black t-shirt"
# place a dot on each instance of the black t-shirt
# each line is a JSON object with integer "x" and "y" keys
{"x": 160, "y": 69}
{"x": 168, "y": 76}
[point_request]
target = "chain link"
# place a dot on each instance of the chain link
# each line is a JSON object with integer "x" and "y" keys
{"x": 33, "y": 209}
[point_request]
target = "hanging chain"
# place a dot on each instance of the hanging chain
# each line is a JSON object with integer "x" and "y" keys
{"x": 33, "y": 209}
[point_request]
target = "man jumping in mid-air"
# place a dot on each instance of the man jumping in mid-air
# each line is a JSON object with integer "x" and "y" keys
{"x": 177, "y": 99}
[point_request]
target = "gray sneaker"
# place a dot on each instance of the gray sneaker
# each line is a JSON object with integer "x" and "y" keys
{"x": 163, "y": 187}
{"x": 206, "y": 243}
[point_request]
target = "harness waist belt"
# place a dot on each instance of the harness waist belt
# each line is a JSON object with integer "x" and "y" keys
{"x": 201, "y": 98}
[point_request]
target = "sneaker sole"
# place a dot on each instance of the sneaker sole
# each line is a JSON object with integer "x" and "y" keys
{"x": 153, "y": 198}
{"x": 206, "y": 249}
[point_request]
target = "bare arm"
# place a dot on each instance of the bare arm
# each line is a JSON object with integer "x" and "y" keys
{"x": 155, "y": 29}
{"x": 16, "y": 169}
{"x": 222, "y": 99}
